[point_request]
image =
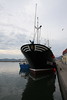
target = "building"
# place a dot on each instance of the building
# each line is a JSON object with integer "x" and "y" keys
{"x": 64, "y": 56}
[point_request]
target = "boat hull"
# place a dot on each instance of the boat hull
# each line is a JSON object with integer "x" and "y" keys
{"x": 40, "y": 58}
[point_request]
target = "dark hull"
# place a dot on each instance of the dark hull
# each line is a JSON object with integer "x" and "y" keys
{"x": 40, "y": 57}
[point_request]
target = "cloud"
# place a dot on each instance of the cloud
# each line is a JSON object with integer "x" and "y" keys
{"x": 16, "y": 52}
{"x": 17, "y": 23}
{"x": 58, "y": 47}
{"x": 12, "y": 41}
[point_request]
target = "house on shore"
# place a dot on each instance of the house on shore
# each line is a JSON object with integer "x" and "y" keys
{"x": 64, "y": 56}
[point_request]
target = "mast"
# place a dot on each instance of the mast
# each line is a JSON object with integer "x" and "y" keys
{"x": 35, "y": 22}
{"x": 37, "y": 27}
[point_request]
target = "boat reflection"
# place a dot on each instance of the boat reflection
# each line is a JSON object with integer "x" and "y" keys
{"x": 42, "y": 89}
{"x": 38, "y": 87}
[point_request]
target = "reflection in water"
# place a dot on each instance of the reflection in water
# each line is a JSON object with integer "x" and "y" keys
{"x": 38, "y": 88}
{"x": 42, "y": 89}
{"x": 24, "y": 72}
{"x": 13, "y": 87}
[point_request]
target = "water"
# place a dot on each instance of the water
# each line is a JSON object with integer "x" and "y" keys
{"x": 15, "y": 87}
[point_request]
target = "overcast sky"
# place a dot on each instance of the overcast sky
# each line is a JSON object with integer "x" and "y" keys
{"x": 17, "y": 25}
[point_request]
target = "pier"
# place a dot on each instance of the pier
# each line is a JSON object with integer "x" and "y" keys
{"x": 62, "y": 77}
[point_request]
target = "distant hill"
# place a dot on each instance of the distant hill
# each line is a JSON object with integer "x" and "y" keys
{"x": 10, "y": 60}
{"x": 59, "y": 58}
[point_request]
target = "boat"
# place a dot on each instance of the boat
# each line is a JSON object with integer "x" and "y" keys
{"x": 39, "y": 56}
{"x": 24, "y": 66}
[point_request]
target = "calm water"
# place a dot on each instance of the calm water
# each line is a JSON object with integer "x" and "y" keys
{"x": 15, "y": 87}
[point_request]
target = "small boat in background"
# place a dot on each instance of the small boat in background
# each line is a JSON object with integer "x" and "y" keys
{"x": 24, "y": 64}
{"x": 24, "y": 67}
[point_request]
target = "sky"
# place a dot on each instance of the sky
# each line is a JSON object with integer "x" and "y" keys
{"x": 17, "y": 25}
